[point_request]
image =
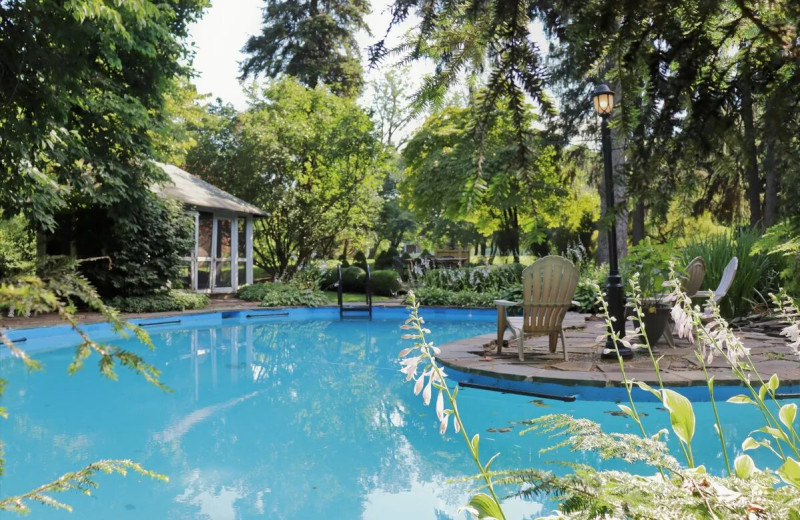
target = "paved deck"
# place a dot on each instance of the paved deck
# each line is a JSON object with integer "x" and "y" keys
{"x": 679, "y": 366}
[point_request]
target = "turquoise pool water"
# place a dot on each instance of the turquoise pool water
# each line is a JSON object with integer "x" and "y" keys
{"x": 298, "y": 416}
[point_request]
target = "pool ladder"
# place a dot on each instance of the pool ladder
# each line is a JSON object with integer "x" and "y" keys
{"x": 355, "y": 308}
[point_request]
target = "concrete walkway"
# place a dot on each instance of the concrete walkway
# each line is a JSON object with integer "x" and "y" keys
{"x": 679, "y": 366}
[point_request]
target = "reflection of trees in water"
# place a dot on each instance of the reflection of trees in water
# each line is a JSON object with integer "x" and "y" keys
{"x": 297, "y": 419}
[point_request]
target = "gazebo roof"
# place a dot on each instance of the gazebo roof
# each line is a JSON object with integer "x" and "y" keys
{"x": 194, "y": 191}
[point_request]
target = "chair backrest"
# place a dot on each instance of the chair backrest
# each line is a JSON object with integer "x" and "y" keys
{"x": 548, "y": 286}
{"x": 727, "y": 279}
{"x": 695, "y": 272}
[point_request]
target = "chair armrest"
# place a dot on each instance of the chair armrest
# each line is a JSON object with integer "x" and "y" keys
{"x": 703, "y": 294}
{"x": 506, "y": 303}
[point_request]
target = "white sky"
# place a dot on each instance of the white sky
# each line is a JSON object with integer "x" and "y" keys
{"x": 225, "y": 27}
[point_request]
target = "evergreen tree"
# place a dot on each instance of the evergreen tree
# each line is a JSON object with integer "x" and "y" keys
{"x": 311, "y": 40}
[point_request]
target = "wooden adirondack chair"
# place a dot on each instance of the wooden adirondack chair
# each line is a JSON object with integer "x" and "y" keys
{"x": 548, "y": 286}
{"x": 728, "y": 274}
{"x": 695, "y": 272}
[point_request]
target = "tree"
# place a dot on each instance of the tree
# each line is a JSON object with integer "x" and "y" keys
{"x": 305, "y": 156}
{"x": 702, "y": 86}
{"x": 441, "y": 180}
{"x": 311, "y": 40}
{"x": 82, "y": 85}
{"x": 391, "y": 107}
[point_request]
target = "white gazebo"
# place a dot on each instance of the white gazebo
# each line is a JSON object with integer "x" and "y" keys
{"x": 222, "y": 258}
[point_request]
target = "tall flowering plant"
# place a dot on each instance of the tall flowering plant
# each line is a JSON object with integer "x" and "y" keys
{"x": 419, "y": 365}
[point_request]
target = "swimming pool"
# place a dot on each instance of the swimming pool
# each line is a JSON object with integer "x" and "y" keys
{"x": 292, "y": 415}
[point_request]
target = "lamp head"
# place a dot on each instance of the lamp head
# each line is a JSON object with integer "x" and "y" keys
{"x": 603, "y": 99}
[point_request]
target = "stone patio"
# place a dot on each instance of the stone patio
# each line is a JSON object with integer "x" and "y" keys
{"x": 584, "y": 337}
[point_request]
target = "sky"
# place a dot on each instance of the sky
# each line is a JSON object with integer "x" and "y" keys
{"x": 225, "y": 27}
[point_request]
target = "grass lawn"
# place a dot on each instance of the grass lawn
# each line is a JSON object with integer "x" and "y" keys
{"x": 353, "y": 297}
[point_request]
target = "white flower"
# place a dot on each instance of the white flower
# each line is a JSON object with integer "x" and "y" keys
{"x": 440, "y": 406}
{"x": 443, "y": 424}
{"x": 426, "y": 393}
{"x": 410, "y": 367}
{"x": 419, "y": 384}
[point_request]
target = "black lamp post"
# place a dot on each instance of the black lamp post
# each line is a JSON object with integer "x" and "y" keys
{"x": 603, "y": 105}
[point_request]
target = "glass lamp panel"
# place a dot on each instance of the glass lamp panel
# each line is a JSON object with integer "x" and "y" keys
{"x": 604, "y": 103}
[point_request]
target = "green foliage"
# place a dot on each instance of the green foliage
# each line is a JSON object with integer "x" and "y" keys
{"x": 360, "y": 260}
{"x": 145, "y": 253}
{"x": 160, "y": 302}
{"x": 82, "y": 87}
{"x": 17, "y": 246}
{"x": 755, "y": 277}
{"x": 317, "y": 275}
{"x": 353, "y": 279}
{"x": 282, "y": 295}
{"x": 385, "y": 259}
{"x": 651, "y": 261}
{"x": 314, "y": 43}
{"x": 477, "y": 279}
{"x": 81, "y": 480}
{"x": 587, "y": 292}
{"x": 443, "y": 298}
{"x": 385, "y": 282}
{"x": 325, "y": 164}
{"x": 449, "y": 176}
{"x": 782, "y": 243}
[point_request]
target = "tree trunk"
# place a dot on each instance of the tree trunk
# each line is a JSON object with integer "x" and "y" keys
{"x": 771, "y": 122}
{"x": 638, "y": 223}
{"x": 750, "y": 150}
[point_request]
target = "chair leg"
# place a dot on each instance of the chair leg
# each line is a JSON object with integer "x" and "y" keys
{"x": 502, "y": 324}
{"x": 521, "y": 344}
{"x": 564, "y": 345}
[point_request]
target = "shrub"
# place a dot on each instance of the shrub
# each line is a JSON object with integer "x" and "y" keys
{"x": 442, "y": 297}
{"x": 329, "y": 278}
{"x": 282, "y": 294}
{"x": 353, "y": 279}
{"x": 159, "y": 302}
{"x": 146, "y": 250}
{"x": 385, "y": 259}
{"x": 17, "y": 246}
{"x": 755, "y": 278}
{"x": 385, "y": 282}
{"x": 360, "y": 260}
{"x": 481, "y": 279}
{"x": 314, "y": 276}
